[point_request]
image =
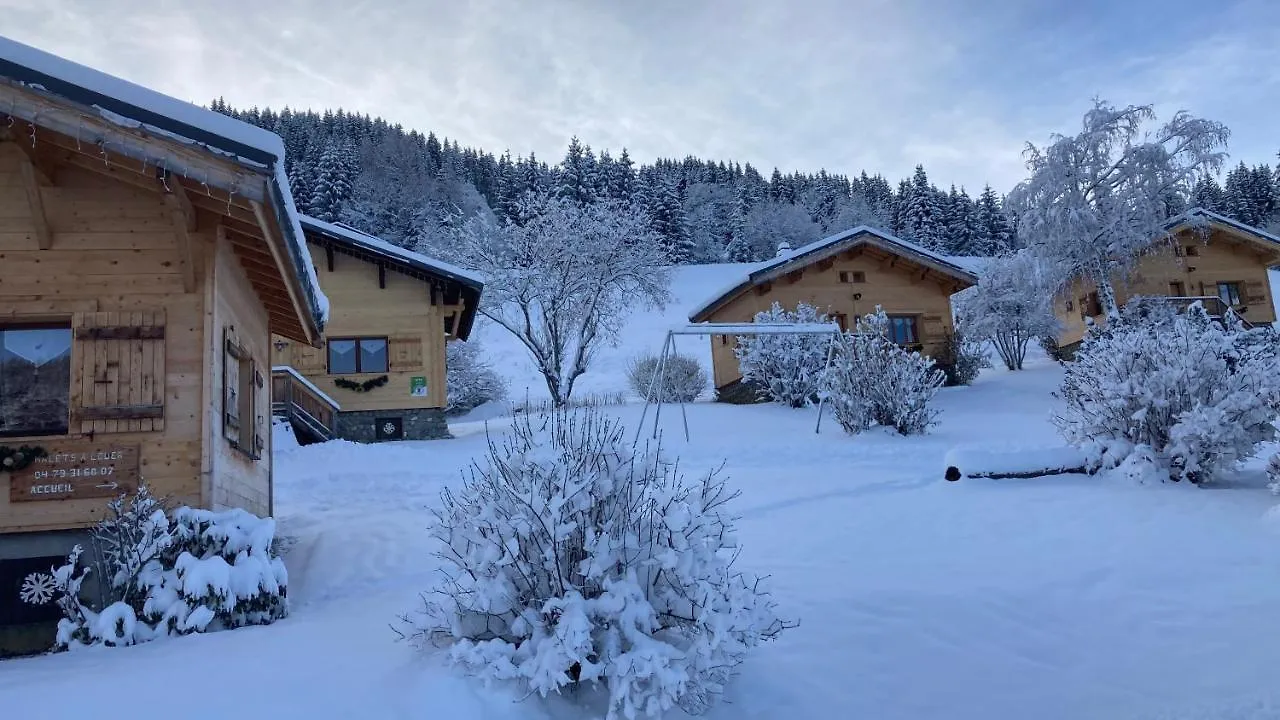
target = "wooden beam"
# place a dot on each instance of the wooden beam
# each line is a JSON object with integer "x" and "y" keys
{"x": 176, "y": 194}
{"x": 183, "y": 226}
{"x": 382, "y": 276}
{"x": 328, "y": 254}
{"x": 44, "y": 172}
{"x": 275, "y": 244}
{"x": 794, "y": 276}
{"x": 826, "y": 264}
{"x": 31, "y": 184}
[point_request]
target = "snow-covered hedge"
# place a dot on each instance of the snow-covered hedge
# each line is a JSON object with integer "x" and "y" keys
{"x": 574, "y": 560}
{"x": 683, "y": 379}
{"x": 469, "y": 380}
{"x": 788, "y": 367}
{"x": 157, "y": 575}
{"x": 1175, "y": 391}
{"x": 876, "y": 381}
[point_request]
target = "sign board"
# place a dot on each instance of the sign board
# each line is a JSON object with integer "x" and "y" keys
{"x": 418, "y": 386}
{"x": 74, "y": 472}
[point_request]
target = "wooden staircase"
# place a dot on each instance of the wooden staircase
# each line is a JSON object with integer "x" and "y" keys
{"x": 310, "y": 412}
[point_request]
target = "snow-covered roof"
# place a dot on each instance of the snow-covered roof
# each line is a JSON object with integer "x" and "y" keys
{"x": 973, "y": 263}
{"x": 472, "y": 283}
{"x": 810, "y": 253}
{"x": 711, "y": 328}
{"x": 395, "y": 253}
{"x": 1188, "y": 217}
{"x": 123, "y": 103}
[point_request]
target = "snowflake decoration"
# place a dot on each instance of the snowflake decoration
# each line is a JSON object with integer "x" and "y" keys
{"x": 388, "y": 428}
{"x": 38, "y": 588}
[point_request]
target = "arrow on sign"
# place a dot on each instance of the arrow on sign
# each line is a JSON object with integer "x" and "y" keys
{"x": 109, "y": 486}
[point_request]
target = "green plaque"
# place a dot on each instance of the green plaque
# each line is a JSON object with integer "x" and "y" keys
{"x": 418, "y": 386}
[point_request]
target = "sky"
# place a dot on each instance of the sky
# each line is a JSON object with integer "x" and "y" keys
{"x": 843, "y": 85}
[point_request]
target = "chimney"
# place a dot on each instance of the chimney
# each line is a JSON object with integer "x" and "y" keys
{"x": 784, "y": 249}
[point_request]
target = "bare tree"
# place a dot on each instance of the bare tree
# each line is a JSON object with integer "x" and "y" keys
{"x": 1097, "y": 200}
{"x": 1010, "y": 307}
{"x": 563, "y": 280}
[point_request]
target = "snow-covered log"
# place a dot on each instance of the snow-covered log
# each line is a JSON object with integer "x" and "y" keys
{"x": 1030, "y": 462}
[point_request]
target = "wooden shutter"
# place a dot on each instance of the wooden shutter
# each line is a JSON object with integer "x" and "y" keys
{"x": 231, "y": 354}
{"x": 1254, "y": 293}
{"x": 404, "y": 354}
{"x": 931, "y": 329}
{"x": 120, "y": 386}
{"x": 308, "y": 360}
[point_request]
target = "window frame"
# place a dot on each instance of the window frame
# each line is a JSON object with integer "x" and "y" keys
{"x": 248, "y": 380}
{"x": 45, "y": 323}
{"x": 386, "y": 352}
{"x": 915, "y": 329}
{"x": 1181, "y": 288}
{"x": 1231, "y": 285}
{"x": 853, "y": 277}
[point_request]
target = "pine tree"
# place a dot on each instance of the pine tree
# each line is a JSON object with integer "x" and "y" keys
{"x": 577, "y": 174}
{"x": 901, "y": 199}
{"x": 330, "y": 186}
{"x": 1237, "y": 200}
{"x": 996, "y": 235}
{"x": 1208, "y": 195}
{"x": 922, "y": 222}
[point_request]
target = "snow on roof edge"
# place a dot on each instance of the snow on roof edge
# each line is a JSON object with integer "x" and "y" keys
{"x": 821, "y": 244}
{"x": 382, "y": 246}
{"x": 1189, "y": 213}
{"x": 127, "y": 104}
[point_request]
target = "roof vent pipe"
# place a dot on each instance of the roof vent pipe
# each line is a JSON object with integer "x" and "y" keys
{"x": 784, "y": 249}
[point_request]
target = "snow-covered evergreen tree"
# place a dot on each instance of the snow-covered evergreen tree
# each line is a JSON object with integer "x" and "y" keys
{"x": 922, "y": 221}
{"x": 329, "y": 186}
{"x": 1095, "y": 201}
{"x": 1208, "y": 194}
{"x": 996, "y": 236}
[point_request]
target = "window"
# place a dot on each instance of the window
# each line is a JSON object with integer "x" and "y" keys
{"x": 1070, "y": 306}
{"x": 1178, "y": 251}
{"x": 35, "y": 379}
{"x": 1177, "y": 289}
{"x": 902, "y": 329}
{"x": 357, "y": 355}
{"x": 1192, "y": 251}
{"x": 842, "y": 320}
{"x": 852, "y": 276}
{"x": 1229, "y": 293}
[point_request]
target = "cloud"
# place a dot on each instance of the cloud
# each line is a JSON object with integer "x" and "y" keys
{"x": 844, "y": 85}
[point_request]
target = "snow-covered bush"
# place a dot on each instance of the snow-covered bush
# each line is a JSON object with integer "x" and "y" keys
{"x": 1273, "y": 473}
{"x": 1010, "y": 307}
{"x": 788, "y": 367}
{"x": 573, "y": 559}
{"x": 1178, "y": 388}
{"x": 963, "y": 358}
{"x": 469, "y": 380}
{"x": 155, "y": 576}
{"x": 876, "y": 381}
{"x": 683, "y": 379}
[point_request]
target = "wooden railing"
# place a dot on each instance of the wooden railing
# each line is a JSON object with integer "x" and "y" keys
{"x": 296, "y": 399}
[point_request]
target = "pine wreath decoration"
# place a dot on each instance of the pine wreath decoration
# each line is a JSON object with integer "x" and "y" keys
{"x": 13, "y": 459}
{"x": 365, "y": 386}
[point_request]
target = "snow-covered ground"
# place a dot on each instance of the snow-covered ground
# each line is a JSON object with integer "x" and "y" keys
{"x": 1063, "y": 597}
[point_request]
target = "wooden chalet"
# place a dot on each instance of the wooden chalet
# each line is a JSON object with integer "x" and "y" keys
{"x": 148, "y": 250}
{"x": 1203, "y": 257}
{"x": 380, "y": 372}
{"x": 846, "y": 275}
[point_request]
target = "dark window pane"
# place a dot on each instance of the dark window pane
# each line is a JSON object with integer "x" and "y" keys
{"x": 35, "y": 380}
{"x": 373, "y": 355}
{"x": 342, "y": 356}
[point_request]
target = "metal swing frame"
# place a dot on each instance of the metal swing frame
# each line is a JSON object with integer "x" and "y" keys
{"x": 658, "y": 381}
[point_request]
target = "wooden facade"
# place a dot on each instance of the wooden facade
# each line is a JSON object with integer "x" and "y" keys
{"x": 1216, "y": 258}
{"x": 141, "y": 301}
{"x": 395, "y": 309}
{"x": 845, "y": 276}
